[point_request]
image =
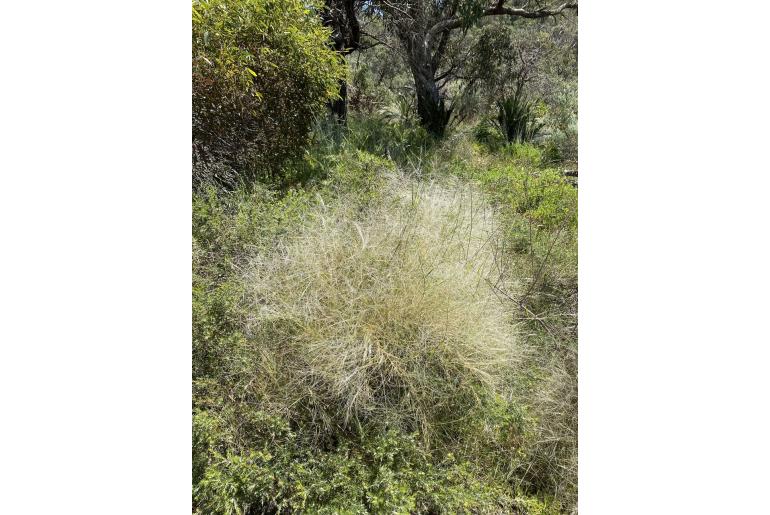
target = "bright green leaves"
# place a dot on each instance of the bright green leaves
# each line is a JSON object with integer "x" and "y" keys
{"x": 262, "y": 70}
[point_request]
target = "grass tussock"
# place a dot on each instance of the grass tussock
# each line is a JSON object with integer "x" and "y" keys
{"x": 387, "y": 317}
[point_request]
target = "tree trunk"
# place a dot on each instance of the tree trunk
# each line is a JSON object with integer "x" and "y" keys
{"x": 434, "y": 115}
{"x": 339, "y": 107}
{"x": 341, "y": 17}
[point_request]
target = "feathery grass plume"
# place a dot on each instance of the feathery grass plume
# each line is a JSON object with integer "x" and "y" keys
{"x": 386, "y": 318}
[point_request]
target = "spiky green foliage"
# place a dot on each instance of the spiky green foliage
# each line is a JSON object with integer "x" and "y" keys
{"x": 400, "y": 111}
{"x": 391, "y": 136}
{"x": 516, "y": 118}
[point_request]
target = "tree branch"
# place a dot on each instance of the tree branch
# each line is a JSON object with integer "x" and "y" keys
{"x": 439, "y": 53}
{"x": 499, "y": 10}
{"x": 377, "y": 40}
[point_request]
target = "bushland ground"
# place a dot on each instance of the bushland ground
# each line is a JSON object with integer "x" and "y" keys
{"x": 384, "y": 318}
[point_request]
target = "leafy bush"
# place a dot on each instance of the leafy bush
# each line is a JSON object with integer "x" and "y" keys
{"x": 261, "y": 71}
{"x": 277, "y": 470}
{"x": 358, "y": 176}
{"x": 524, "y": 155}
{"x": 346, "y": 171}
{"x": 487, "y": 134}
{"x": 545, "y": 196}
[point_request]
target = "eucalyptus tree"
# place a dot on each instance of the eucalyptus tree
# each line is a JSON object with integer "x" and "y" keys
{"x": 425, "y": 30}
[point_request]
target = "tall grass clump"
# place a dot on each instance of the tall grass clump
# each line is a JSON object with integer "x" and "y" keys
{"x": 515, "y": 120}
{"x": 392, "y": 134}
{"x": 383, "y": 318}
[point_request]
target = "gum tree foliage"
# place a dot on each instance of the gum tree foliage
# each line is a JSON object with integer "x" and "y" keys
{"x": 261, "y": 71}
{"x": 500, "y": 56}
{"x": 427, "y": 31}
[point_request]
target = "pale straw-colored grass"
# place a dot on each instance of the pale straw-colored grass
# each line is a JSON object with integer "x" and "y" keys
{"x": 386, "y": 316}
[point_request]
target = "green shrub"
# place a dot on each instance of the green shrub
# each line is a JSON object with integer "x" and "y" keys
{"x": 261, "y": 71}
{"x": 546, "y": 197}
{"x": 524, "y": 155}
{"x": 358, "y": 176}
{"x": 355, "y": 174}
{"x": 487, "y": 134}
{"x": 227, "y": 224}
{"x": 278, "y": 470}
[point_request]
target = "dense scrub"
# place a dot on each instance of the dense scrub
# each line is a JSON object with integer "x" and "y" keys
{"x": 388, "y": 338}
{"x": 384, "y": 319}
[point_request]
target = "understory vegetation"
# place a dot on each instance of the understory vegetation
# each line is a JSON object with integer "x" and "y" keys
{"x": 384, "y": 318}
